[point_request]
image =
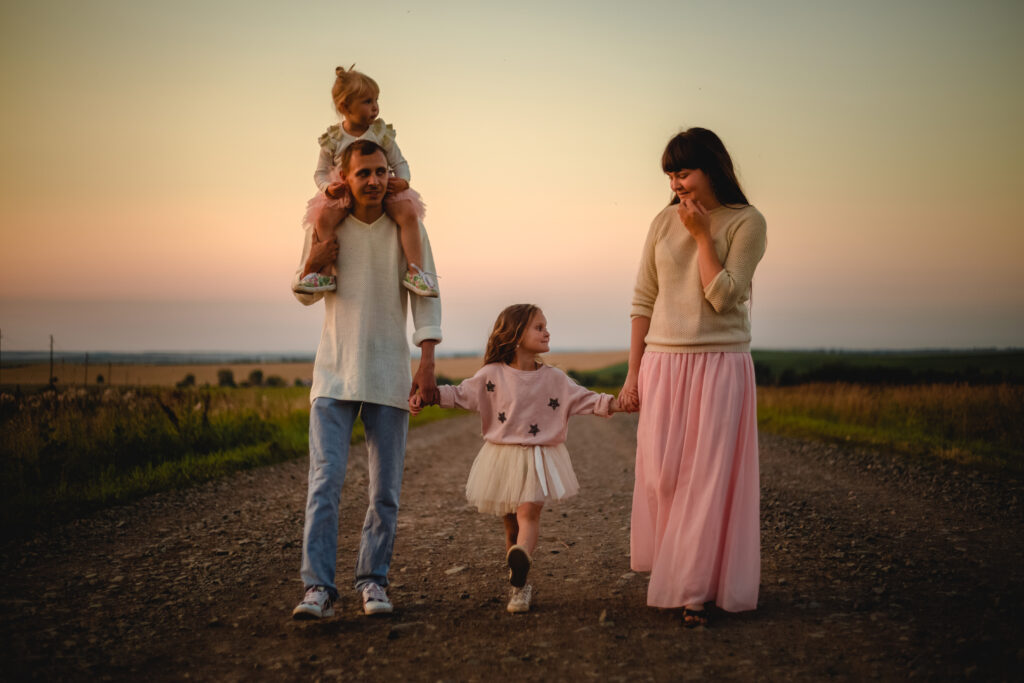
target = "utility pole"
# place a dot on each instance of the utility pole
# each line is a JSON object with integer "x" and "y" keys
{"x": 50, "y": 381}
{"x": 86, "y": 368}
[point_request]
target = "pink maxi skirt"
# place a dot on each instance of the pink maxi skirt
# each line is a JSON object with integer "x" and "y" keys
{"x": 696, "y": 499}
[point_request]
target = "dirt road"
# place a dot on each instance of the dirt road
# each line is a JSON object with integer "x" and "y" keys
{"x": 872, "y": 568}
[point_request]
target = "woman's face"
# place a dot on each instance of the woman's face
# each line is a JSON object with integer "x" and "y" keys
{"x": 692, "y": 183}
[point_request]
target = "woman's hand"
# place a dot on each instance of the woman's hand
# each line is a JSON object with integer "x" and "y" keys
{"x": 695, "y": 217}
{"x": 396, "y": 185}
{"x": 629, "y": 396}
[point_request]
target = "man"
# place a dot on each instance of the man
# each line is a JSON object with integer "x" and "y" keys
{"x": 362, "y": 368}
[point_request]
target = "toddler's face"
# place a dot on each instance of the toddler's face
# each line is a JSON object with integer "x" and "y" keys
{"x": 362, "y": 111}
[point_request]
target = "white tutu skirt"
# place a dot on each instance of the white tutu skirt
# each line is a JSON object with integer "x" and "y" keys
{"x": 504, "y": 476}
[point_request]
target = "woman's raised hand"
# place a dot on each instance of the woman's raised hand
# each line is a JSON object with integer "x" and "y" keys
{"x": 695, "y": 217}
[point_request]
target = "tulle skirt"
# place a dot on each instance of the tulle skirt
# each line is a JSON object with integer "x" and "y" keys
{"x": 696, "y": 498}
{"x": 320, "y": 202}
{"x": 504, "y": 476}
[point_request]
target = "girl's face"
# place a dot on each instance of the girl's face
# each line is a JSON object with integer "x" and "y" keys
{"x": 362, "y": 111}
{"x": 692, "y": 183}
{"x": 536, "y": 336}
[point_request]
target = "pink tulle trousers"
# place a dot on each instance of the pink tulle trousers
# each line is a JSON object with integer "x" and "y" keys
{"x": 696, "y": 499}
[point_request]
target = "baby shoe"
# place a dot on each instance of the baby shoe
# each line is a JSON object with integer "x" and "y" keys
{"x": 420, "y": 283}
{"x": 315, "y": 282}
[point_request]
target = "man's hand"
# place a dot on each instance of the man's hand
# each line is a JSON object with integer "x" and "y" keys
{"x": 424, "y": 383}
{"x": 321, "y": 255}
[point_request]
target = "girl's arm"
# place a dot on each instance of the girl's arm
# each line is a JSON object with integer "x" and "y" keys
{"x": 399, "y": 166}
{"x": 583, "y": 401}
{"x": 324, "y": 164}
{"x": 465, "y": 395}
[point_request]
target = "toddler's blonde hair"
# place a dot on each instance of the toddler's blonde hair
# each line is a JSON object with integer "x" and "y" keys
{"x": 350, "y": 85}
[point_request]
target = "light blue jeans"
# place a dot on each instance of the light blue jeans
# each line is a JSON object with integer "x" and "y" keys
{"x": 330, "y": 431}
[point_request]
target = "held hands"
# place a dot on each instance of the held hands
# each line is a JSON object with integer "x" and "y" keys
{"x": 335, "y": 190}
{"x": 695, "y": 217}
{"x": 424, "y": 391}
{"x": 629, "y": 396}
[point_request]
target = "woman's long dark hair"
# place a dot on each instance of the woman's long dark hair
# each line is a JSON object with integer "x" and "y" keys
{"x": 699, "y": 148}
{"x": 507, "y": 333}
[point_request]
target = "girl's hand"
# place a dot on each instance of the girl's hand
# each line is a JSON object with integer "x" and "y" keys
{"x": 629, "y": 396}
{"x": 396, "y": 185}
{"x": 695, "y": 217}
{"x": 334, "y": 190}
{"x": 415, "y": 404}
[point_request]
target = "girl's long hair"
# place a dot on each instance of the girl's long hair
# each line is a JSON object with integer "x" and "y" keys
{"x": 507, "y": 333}
{"x": 699, "y": 148}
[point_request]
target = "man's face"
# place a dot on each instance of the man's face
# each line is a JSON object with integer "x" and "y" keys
{"x": 367, "y": 178}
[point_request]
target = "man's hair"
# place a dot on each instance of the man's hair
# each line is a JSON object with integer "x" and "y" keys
{"x": 363, "y": 147}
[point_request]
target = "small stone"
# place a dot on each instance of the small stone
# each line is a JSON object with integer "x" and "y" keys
{"x": 455, "y": 570}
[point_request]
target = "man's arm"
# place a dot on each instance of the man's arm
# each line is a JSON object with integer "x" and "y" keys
{"x": 424, "y": 382}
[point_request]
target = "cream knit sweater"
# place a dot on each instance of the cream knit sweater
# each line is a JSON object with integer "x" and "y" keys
{"x": 685, "y": 316}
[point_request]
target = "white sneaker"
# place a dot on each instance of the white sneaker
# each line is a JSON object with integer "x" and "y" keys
{"x": 520, "y": 600}
{"x": 375, "y": 600}
{"x": 316, "y": 605}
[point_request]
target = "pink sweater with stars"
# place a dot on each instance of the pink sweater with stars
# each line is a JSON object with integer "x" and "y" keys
{"x": 529, "y": 408}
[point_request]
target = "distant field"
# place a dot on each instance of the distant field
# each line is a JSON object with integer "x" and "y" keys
{"x": 206, "y": 373}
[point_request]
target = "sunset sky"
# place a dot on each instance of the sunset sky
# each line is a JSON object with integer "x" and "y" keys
{"x": 157, "y": 157}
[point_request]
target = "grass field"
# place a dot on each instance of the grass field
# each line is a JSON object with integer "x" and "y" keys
{"x": 69, "y": 451}
{"x": 975, "y": 425}
{"x": 65, "y": 453}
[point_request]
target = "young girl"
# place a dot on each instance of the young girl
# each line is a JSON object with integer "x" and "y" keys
{"x": 355, "y": 98}
{"x": 524, "y": 409}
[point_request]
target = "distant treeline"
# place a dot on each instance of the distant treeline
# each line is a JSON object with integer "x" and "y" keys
{"x": 790, "y": 368}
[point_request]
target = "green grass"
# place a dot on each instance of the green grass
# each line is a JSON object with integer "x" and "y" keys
{"x": 66, "y": 454}
{"x": 974, "y": 425}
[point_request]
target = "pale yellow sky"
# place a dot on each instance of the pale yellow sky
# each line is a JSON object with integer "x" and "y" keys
{"x": 162, "y": 153}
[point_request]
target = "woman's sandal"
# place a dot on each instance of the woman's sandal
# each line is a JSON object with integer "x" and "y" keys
{"x": 692, "y": 618}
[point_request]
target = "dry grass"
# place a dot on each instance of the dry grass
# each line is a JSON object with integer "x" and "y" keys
{"x": 961, "y": 422}
{"x": 169, "y": 375}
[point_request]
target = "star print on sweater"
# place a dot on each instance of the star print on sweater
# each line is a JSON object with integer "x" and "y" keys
{"x": 532, "y": 408}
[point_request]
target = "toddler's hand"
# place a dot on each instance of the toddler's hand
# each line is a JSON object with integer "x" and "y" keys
{"x": 415, "y": 404}
{"x": 396, "y": 185}
{"x": 334, "y": 190}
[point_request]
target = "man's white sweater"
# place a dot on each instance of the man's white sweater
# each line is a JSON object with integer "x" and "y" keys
{"x": 363, "y": 353}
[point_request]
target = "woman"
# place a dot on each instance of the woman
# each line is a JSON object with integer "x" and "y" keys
{"x": 695, "y": 520}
